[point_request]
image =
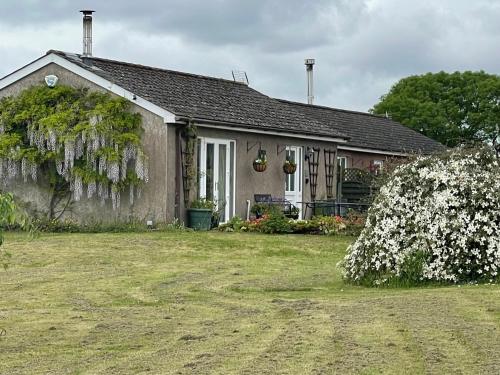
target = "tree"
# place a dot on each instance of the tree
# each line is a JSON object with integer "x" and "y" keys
{"x": 72, "y": 139}
{"x": 452, "y": 108}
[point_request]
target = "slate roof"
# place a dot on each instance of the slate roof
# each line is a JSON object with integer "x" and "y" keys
{"x": 204, "y": 98}
{"x": 369, "y": 131}
{"x": 236, "y": 104}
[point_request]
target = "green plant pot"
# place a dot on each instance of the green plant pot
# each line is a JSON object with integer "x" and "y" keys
{"x": 199, "y": 218}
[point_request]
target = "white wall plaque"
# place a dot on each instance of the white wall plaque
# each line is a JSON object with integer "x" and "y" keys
{"x": 51, "y": 80}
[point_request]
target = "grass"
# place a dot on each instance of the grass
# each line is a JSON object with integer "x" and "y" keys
{"x": 222, "y": 303}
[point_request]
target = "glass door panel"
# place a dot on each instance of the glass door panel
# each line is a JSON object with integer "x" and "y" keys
{"x": 209, "y": 171}
{"x": 290, "y": 178}
{"x": 221, "y": 182}
{"x": 293, "y": 182}
{"x": 216, "y": 174}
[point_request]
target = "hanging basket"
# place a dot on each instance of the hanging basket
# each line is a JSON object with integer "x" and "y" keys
{"x": 289, "y": 168}
{"x": 260, "y": 163}
{"x": 259, "y": 167}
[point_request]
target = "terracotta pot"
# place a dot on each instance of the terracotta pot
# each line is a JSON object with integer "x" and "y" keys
{"x": 289, "y": 168}
{"x": 259, "y": 167}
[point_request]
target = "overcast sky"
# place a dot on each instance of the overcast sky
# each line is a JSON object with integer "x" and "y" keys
{"x": 361, "y": 47}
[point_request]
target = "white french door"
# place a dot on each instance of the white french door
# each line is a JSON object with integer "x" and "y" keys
{"x": 293, "y": 182}
{"x": 216, "y": 160}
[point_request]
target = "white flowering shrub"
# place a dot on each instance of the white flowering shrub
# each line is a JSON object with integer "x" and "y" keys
{"x": 436, "y": 219}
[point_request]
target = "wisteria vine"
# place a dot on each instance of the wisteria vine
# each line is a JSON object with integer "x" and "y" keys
{"x": 87, "y": 141}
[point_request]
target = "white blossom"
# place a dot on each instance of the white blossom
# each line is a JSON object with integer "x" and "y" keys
{"x": 444, "y": 211}
{"x": 102, "y": 190}
{"x": 69, "y": 155}
{"x": 25, "y": 170}
{"x": 52, "y": 140}
{"x": 131, "y": 194}
{"x": 77, "y": 188}
{"x": 102, "y": 165}
{"x": 34, "y": 171}
{"x": 115, "y": 198}
{"x": 114, "y": 172}
{"x": 93, "y": 147}
{"x": 12, "y": 168}
{"x": 91, "y": 189}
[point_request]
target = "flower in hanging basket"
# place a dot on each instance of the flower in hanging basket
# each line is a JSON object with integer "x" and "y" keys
{"x": 290, "y": 166}
{"x": 260, "y": 163}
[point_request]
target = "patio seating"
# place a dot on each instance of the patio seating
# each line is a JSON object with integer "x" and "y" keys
{"x": 333, "y": 207}
{"x": 285, "y": 205}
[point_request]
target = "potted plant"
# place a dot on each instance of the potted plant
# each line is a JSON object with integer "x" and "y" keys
{"x": 260, "y": 163}
{"x": 200, "y": 214}
{"x": 290, "y": 166}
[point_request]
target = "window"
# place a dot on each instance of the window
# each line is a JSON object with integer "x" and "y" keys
{"x": 342, "y": 160}
{"x": 378, "y": 165}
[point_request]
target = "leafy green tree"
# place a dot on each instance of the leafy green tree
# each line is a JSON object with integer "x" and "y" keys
{"x": 452, "y": 108}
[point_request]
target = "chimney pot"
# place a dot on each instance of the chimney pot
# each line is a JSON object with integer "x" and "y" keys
{"x": 87, "y": 32}
{"x": 309, "y": 63}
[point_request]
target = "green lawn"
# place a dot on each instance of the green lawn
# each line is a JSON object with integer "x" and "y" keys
{"x": 225, "y": 303}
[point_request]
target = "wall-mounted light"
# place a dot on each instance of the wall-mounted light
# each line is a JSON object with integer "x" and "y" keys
{"x": 309, "y": 153}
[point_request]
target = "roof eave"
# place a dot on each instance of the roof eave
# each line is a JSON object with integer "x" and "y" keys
{"x": 54, "y": 58}
{"x": 225, "y": 125}
{"x": 369, "y": 150}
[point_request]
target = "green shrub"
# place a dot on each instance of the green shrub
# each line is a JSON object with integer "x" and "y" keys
{"x": 305, "y": 226}
{"x": 71, "y": 226}
{"x": 202, "y": 203}
{"x": 10, "y": 215}
{"x": 354, "y": 223}
{"x": 274, "y": 223}
{"x": 236, "y": 224}
{"x": 260, "y": 209}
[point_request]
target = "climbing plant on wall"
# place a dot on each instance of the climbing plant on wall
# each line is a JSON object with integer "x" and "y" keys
{"x": 77, "y": 140}
{"x": 189, "y": 172}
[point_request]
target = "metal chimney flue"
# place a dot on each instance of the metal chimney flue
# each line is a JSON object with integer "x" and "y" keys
{"x": 87, "y": 32}
{"x": 309, "y": 63}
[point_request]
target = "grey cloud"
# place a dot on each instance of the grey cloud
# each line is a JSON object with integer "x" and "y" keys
{"x": 276, "y": 25}
{"x": 361, "y": 47}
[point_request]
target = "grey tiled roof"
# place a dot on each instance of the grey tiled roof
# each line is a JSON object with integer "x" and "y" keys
{"x": 232, "y": 103}
{"x": 201, "y": 97}
{"x": 369, "y": 131}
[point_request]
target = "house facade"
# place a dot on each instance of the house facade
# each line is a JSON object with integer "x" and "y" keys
{"x": 234, "y": 123}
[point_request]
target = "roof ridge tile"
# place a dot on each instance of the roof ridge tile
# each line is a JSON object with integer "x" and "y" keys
{"x": 136, "y": 65}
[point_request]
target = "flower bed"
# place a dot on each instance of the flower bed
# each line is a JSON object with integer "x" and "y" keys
{"x": 437, "y": 219}
{"x": 274, "y": 223}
